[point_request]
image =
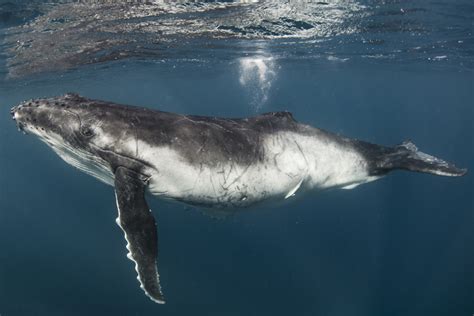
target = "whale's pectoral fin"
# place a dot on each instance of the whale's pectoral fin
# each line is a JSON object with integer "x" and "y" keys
{"x": 139, "y": 226}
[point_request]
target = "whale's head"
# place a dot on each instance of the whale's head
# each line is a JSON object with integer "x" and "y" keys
{"x": 81, "y": 133}
{"x": 65, "y": 120}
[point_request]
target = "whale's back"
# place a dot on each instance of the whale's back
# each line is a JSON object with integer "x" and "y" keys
{"x": 210, "y": 140}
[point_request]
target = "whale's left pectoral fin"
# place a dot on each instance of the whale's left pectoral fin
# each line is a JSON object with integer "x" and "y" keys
{"x": 139, "y": 226}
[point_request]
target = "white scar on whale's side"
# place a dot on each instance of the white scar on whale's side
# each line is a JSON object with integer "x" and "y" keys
{"x": 216, "y": 163}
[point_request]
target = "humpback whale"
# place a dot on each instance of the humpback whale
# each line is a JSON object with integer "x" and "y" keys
{"x": 210, "y": 162}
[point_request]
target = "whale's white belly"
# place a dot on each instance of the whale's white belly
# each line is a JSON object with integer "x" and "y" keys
{"x": 226, "y": 184}
{"x": 292, "y": 162}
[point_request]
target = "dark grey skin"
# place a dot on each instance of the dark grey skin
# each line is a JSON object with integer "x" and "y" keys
{"x": 126, "y": 147}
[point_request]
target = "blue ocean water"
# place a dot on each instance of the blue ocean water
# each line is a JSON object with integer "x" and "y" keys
{"x": 379, "y": 71}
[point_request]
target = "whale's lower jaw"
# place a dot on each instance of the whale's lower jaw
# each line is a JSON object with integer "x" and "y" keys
{"x": 83, "y": 160}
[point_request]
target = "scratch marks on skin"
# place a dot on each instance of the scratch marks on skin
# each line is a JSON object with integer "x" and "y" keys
{"x": 219, "y": 126}
{"x": 136, "y": 146}
{"x": 198, "y": 176}
{"x": 200, "y": 149}
{"x": 135, "y": 132}
{"x": 211, "y": 124}
{"x": 302, "y": 153}
{"x": 213, "y": 187}
{"x": 239, "y": 176}
{"x": 184, "y": 118}
{"x": 226, "y": 177}
{"x": 303, "y": 178}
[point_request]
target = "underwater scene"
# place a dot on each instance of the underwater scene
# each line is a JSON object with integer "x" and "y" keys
{"x": 353, "y": 119}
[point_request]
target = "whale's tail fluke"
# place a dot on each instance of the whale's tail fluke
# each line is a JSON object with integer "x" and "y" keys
{"x": 407, "y": 156}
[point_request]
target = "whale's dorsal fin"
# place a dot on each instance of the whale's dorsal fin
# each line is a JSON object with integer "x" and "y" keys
{"x": 139, "y": 226}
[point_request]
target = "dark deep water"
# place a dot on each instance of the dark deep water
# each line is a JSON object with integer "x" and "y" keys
{"x": 383, "y": 72}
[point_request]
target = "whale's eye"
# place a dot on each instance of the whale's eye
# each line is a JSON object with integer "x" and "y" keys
{"x": 87, "y": 131}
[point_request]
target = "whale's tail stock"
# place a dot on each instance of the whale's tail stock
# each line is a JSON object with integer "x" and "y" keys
{"x": 406, "y": 156}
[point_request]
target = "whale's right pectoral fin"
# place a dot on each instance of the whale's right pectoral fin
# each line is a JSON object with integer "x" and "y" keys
{"x": 139, "y": 226}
